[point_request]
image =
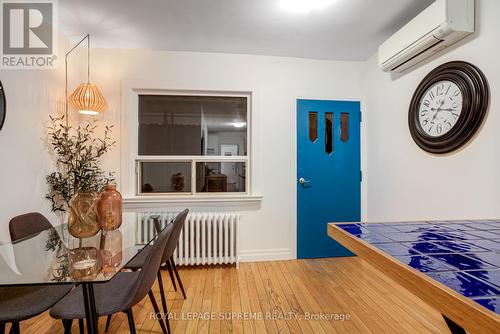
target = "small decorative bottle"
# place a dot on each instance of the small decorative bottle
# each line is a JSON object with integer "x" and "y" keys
{"x": 109, "y": 208}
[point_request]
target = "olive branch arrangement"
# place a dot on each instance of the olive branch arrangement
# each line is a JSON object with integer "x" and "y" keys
{"x": 78, "y": 157}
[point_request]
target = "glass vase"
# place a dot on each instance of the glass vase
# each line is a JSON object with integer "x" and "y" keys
{"x": 109, "y": 208}
{"x": 111, "y": 251}
{"x": 84, "y": 263}
{"x": 83, "y": 221}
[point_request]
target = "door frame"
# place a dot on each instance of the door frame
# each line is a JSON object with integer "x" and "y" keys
{"x": 293, "y": 180}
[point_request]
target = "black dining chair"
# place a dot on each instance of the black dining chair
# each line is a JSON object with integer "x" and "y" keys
{"x": 18, "y": 303}
{"x": 121, "y": 293}
{"x": 170, "y": 249}
{"x": 167, "y": 258}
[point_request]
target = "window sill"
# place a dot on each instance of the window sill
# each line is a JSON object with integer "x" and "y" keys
{"x": 158, "y": 202}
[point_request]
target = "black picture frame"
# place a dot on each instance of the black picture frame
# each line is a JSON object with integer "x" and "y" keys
{"x": 3, "y": 106}
{"x": 476, "y": 95}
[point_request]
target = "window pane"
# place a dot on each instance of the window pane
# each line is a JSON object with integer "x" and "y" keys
{"x": 165, "y": 177}
{"x": 192, "y": 125}
{"x": 220, "y": 176}
{"x": 328, "y": 132}
{"x": 344, "y": 126}
{"x": 313, "y": 126}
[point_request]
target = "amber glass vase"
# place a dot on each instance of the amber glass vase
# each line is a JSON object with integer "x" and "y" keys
{"x": 83, "y": 221}
{"x": 109, "y": 208}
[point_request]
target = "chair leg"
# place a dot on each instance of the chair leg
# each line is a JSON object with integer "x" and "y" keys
{"x": 67, "y": 323}
{"x": 81, "y": 328}
{"x": 171, "y": 273}
{"x": 178, "y": 277}
{"x": 162, "y": 293}
{"x": 157, "y": 311}
{"x": 131, "y": 323}
{"x": 108, "y": 322}
{"x": 15, "y": 328}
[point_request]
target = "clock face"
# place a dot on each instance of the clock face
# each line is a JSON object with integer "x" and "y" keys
{"x": 440, "y": 108}
{"x": 448, "y": 107}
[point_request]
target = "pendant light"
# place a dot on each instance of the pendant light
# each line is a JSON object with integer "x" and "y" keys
{"x": 87, "y": 99}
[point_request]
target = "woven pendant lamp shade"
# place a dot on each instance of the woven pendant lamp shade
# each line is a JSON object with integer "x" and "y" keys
{"x": 88, "y": 99}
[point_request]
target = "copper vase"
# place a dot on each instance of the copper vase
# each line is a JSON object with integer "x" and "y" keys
{"x": 83, "y": 221}
{"x": 109, "y": 208}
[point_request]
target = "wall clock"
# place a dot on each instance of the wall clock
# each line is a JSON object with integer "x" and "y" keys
{"x": 3, "y": 106}
{"x": 448, "y": 107}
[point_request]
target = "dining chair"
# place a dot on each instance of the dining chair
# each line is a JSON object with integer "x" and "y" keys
{"x": 27, "y": 224}
{"x": 121, "y": 293}
{"x": 18, "y": 303}
{"x": 170, "y": 249}
{"x": 167, "y": 257}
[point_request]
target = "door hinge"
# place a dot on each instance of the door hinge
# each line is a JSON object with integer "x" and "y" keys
{"x": 360, "y": 176}
{"x": 360, "y": 116}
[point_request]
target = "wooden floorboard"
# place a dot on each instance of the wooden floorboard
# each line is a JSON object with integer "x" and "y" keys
{"x": 277, "y": 297}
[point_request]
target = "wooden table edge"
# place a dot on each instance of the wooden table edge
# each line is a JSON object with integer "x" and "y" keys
{"x": 465, "y": 312}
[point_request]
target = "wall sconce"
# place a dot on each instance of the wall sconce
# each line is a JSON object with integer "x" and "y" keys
{"x": 87, "y": 98}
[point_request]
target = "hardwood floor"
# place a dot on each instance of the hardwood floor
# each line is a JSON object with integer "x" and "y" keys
{"x": 298, "y": 296}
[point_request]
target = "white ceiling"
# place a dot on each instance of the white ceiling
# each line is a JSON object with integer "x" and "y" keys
{"x": 343, "y": 30}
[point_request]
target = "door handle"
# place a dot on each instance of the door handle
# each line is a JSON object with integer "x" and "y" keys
{"x": 303, "y": 181}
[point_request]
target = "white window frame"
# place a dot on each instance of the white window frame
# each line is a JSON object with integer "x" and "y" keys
{"x": 193, "y": 194}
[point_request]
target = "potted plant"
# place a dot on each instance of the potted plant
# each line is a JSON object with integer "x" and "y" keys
{"x": 75, "y": 185}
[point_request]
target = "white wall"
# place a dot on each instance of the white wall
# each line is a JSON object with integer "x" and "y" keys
{"x": 267, "y": 231}
{"x": 404, "y": 182}
{"x": 32, "y": 95}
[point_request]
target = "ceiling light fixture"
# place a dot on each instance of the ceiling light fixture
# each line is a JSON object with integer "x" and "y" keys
{"x": 239, "y": 124}
{"x": 304, "y": 6}
{"x": 87, "y": 99}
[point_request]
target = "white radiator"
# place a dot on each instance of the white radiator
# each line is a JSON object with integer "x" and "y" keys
{"x": 207, "y": 237}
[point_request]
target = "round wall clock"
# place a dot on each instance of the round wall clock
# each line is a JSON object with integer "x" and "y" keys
{"x": 448, "y": 107}
{"x": 3, "y": 106}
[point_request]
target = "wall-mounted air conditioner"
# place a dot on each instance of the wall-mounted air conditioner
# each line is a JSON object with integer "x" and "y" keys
{"x": 437, "y": 27}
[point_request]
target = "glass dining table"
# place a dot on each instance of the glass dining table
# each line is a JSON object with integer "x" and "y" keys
{"x": 56, "y": 257}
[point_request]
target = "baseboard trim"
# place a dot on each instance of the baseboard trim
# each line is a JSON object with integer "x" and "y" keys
{"x": 272, "y": 254}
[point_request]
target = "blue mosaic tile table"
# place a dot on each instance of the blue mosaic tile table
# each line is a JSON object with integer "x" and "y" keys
{"x": 462, "y": 255}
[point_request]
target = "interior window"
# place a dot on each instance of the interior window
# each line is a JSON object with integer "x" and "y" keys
{"x": 344, "y": 126}
{"x": 179, "y": 131}
{"x": 328, "y": 132}
{"x": 220, "y": 177}
{"x": 192, "y": 125}
{"x": 165, "y": 177}
{"x": 313, "y": 126}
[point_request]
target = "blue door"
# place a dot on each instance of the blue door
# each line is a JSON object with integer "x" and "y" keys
{"x": 328, "y": 173}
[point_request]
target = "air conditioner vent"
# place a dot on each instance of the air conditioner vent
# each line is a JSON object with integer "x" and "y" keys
{"x": 438, "y": 26}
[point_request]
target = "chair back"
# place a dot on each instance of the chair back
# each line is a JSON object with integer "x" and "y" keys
{"x": 174, "y": 238}
{"x": 151, "y": 265}
{"x": 26, "y": 225}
